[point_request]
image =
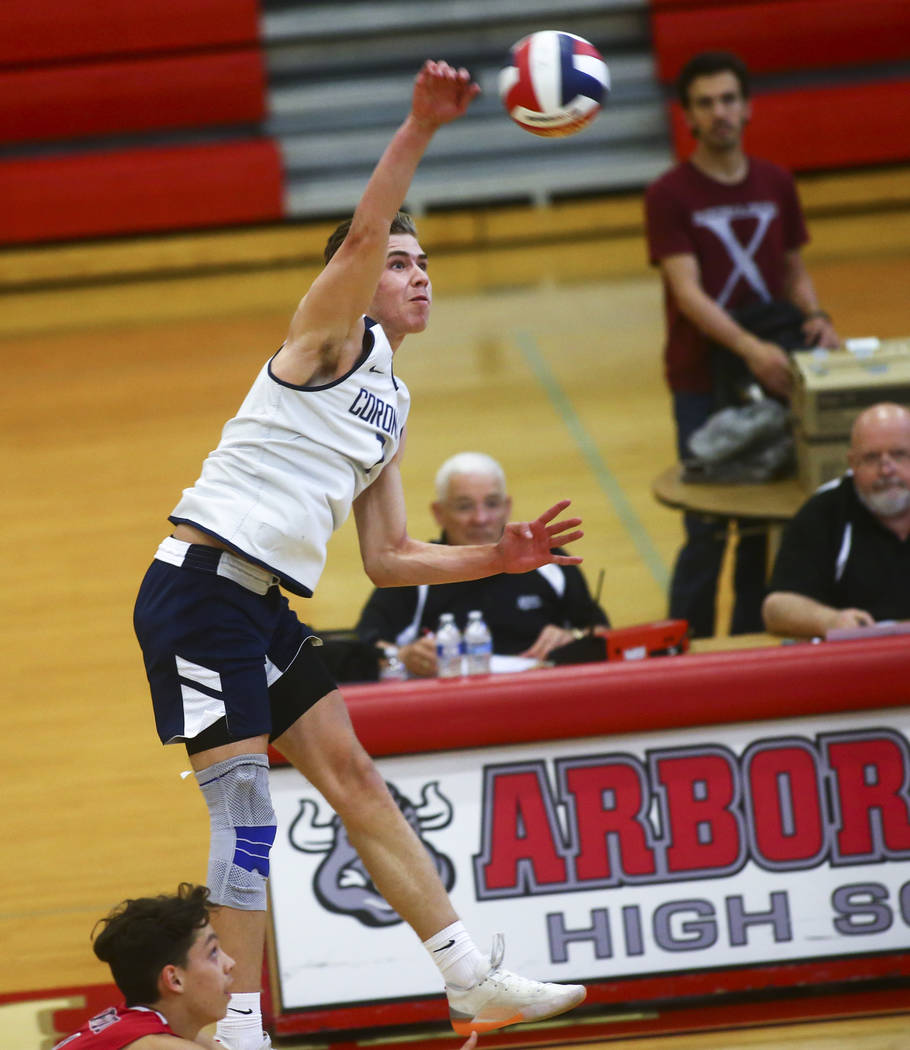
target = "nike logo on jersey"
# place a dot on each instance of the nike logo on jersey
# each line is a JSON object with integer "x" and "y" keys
{"x": 236, "y": 1010}
{"x": 378, "y": 371}
{"x": 448, "y": 944}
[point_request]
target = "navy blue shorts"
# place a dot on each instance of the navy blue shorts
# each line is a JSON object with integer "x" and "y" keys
{"x": 225, "y": 655}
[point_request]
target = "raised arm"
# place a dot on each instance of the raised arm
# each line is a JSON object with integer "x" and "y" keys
{"x": 328, "y": 318}
{"x": 392, "y": 559}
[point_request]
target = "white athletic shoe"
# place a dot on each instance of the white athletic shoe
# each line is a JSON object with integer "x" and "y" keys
{"x": 502, "y": 998}
{"x": 266, "y": 1043}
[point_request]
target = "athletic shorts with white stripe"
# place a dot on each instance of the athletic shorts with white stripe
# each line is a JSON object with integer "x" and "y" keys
{"x": 225, "y": 655}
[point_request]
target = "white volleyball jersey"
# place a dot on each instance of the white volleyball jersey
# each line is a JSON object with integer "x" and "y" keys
{"x": 294, "y": 458}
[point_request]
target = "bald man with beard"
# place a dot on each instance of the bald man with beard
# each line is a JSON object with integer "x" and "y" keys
{"x": 844, "y": 560}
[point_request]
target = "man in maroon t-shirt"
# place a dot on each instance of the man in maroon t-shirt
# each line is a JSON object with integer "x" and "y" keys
{"x": 725, "y": 230}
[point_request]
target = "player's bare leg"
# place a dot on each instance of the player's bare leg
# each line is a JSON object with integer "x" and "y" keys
{"x": 323, "y": 746}
{"x": 482, "y": 995}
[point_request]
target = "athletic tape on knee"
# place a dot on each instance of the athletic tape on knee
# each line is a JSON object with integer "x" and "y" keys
{"x": 243, "y": 827}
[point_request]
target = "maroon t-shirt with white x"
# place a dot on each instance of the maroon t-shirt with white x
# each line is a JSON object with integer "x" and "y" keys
{"x": 739, "y": 234}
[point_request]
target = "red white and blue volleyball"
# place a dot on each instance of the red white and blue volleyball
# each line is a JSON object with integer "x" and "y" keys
{"x": 555, "y": 84}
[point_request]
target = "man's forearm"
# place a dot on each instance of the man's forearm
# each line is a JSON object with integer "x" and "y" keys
{"x": 794, "y": 615}
{"x": 392, "y": 176}
{"x": 714, "y": 322}
{"x": 798, "y": 286}
{"x": 414, "y": 563}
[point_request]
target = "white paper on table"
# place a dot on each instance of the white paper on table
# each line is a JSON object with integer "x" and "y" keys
{"x": 507, "y": 664}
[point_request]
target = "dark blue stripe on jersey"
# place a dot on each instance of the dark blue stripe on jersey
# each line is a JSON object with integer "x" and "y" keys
{"x": 366, "y": 348}
{"x": 252, "y": 850}
{"x": 574, "y": 81}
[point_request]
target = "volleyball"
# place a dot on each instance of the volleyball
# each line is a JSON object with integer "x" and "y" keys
{"x": 555, "y": 83}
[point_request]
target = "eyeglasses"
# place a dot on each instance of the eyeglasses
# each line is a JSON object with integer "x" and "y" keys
{"x": 492, "y": 504}
{"x": 900, "y": 457}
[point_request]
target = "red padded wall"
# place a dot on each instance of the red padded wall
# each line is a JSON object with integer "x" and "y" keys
{"x": 140, "y": 191}
{"x": 59, "y": 30}
{"x": 781, "y": 35}
{"x": 134, "y": 95}
{"x": 829, "y": 127}
{"x": 107, "y": 68}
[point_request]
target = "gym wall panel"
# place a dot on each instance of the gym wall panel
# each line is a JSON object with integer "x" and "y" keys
{"x": 847, "y": 103}
{"x": 60, "y": 30}
{"x": 133, "y": 116}
{"x": 780, "y": 35}
{"x": 140, "y": 191}
{"x": 826, "y": 127}
{"x": 662, "y": 4}
{"x": 128, "y": 96}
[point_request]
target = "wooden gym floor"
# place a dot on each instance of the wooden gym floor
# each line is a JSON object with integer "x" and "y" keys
{"x": 543, "y": 350}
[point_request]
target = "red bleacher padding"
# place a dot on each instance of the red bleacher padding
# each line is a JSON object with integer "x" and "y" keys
{"x": 139, "y": 191}
{"x": 60, "y": 30}
{"x": 782, "y": 35}
{"x": 831, "y": 127}
{"x": 71, "y": 102}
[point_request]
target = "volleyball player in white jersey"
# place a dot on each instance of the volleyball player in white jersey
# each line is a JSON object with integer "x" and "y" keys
{"x": 227, "y": 660}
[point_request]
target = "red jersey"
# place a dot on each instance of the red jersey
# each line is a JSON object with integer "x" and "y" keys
{"x": 739, "y": 234}
{"x": 115, "y": 1028}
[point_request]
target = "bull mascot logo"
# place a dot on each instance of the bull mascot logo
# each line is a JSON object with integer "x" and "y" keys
{"x": 342, "y": 884}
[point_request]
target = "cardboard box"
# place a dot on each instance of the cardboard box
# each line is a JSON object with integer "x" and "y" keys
{"x": 819, "y": 459}
{"x": 831, "y": 388}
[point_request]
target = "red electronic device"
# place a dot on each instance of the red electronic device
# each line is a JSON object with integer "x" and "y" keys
{"x": 657, "y": 638}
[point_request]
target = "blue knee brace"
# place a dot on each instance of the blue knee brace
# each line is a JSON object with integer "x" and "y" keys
{"x": 243, "y": 828}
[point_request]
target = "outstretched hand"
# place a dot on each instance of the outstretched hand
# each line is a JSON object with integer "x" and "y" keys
{"x": 442, "y": 93}
{"x": 526, "y": 545}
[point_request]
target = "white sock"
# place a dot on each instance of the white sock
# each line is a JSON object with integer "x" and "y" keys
{"x": 241, "y": 1026}
{"x": 457, "y": 956}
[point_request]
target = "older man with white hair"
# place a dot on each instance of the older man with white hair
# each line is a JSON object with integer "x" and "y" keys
{"x": 528, "y": 614}
{"x": 844, "y": 560}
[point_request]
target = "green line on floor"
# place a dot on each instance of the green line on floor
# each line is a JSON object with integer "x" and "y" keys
{"x": 585, "y": 444}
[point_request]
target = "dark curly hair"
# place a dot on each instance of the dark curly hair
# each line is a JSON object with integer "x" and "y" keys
{"x": 142, "y": 936}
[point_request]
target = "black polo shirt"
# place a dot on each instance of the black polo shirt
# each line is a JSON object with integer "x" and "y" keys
{"x": 836, "y": 552}
{"x": 515, "y": 606}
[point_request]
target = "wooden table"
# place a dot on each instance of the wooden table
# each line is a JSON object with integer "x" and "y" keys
{"x": 773, "y": 502}
{"x": 765, "y": 507}
{"x": 726, "y": 643}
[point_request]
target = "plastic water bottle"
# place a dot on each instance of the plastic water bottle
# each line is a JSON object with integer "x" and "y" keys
{"x": 478, "y": 644}
{"x": 392, "y": 669}
{"x": 448, "y": 647}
